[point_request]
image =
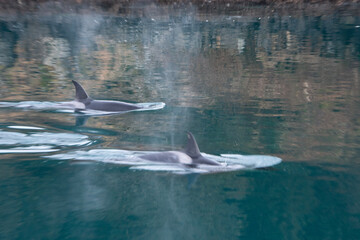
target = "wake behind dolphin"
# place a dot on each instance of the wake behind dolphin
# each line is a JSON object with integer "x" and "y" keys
{"x": 86, "y": 105}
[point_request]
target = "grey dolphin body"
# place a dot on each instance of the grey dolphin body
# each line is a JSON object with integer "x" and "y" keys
{"x": 83, "y": 102}
{"x": 190, "y": 156}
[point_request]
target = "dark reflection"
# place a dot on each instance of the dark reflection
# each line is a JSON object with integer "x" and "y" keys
{"x": 273, "y": 84}
{"x": 80, "y": 120}
{"x": 104, "y": 201}
{"x": 7, "y": 42}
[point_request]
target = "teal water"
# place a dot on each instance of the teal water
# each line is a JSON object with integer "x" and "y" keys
{"x": 279, "y": 84}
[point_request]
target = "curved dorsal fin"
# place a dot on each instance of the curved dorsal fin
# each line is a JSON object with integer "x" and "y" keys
{"x": 80, "y": 92}
{"x": 192, "y": 148}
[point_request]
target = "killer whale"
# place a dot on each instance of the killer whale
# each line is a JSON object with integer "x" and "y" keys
{"x": 84, "y": 102}
{"x": 190, "y": 156}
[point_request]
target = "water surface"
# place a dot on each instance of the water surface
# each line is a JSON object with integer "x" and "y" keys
{"x": 285, "y": 85}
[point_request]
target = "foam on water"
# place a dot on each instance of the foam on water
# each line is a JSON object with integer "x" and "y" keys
{"x": 229, "y": 162}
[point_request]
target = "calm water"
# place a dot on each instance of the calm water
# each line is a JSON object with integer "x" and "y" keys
{"x": 286, "y": 85}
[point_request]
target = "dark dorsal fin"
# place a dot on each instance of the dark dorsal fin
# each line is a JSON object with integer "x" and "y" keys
{"x": 81, "y": 95}
{"x": 192, "y": 148}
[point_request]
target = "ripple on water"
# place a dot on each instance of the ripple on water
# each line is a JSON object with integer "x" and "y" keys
{"x": 31, "y": 149}
{"x": 38, "y": 142}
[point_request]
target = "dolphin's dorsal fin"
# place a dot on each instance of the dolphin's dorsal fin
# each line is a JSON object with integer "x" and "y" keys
{"x": 81, "y": 95}
{"x": 192, "y": 148}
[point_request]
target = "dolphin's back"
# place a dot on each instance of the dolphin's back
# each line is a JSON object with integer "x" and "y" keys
{"x": 100, "y": 105}
{"x": 111, "y": 106}
{"x": 168, "y": 157}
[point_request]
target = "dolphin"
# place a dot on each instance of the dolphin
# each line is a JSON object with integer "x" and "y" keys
{"x": 84, "y": 102}
{"x": 190, "y": 156}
